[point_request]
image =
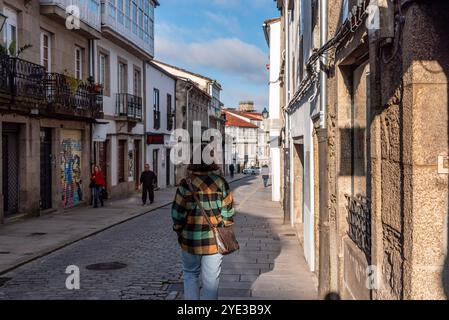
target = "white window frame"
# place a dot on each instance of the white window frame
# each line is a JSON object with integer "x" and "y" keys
{"x": 79, "y": 71}
{"x": 11, "y": 21}
{"x": 49, "y": 62}
{"x": 102, "y": 69}
{"x": 122, "y": 77}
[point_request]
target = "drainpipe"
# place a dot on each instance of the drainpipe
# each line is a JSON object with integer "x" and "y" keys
{"x": 144, "y": 112}
{"x": 187, "y": 106}
{"x": 91, "y": 48}
{"x": 323, "y": 73}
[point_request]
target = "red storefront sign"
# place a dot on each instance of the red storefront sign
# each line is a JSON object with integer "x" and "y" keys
{"x": 155, "y": 139}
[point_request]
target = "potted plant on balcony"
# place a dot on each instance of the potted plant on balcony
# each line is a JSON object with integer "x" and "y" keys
{"x": 97, "y": 88}
{"x": 72, "y": 82}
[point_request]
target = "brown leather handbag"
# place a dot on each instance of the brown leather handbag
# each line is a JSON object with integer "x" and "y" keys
{"x": 224, "y": 236}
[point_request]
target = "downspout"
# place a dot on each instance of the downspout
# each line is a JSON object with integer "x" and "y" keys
{"x": 288, "y": 214}
{"x": 92, "y": 151}
{"x": 144, "y": 113}
{"x": 175, "y": 119}
{"x": 323, "y": 63}
{"x": 187, "y": 107}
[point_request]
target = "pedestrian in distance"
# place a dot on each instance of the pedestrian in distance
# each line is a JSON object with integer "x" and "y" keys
{"x": 148, "y": 181}
{"x": 231, "y": 170}
{"x": 97, "y": 184}
{"x": 202, "y": 199}
{"x": 265, "y": 175}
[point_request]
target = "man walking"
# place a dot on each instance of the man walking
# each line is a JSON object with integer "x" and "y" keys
{"x": 231, "y": 170}
{"x": 148, "y": 180}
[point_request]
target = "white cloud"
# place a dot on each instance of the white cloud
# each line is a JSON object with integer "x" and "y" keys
{"x": 230, "y": 23}
{"x": 230, "y": 56}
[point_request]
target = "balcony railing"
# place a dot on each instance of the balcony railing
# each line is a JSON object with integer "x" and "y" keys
{"x": 72, "y": 95}
{"x": 129, "y": 106}
{"x": 25, "y": 85}
{"x": 22, "y": 81}
{"x": 89, "y": 10}
{"x": 157, "y": 119}
{"x": 359, "y": 221}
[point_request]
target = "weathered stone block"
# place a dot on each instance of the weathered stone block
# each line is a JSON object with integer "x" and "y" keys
{"x": 430, "y": 123}
{"x": 391, "y": 195}
{"x": 430, "y": 205}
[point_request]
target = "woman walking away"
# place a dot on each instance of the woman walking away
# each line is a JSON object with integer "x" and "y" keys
{"x": 202, "y": 199}
{"x": 98, "y": 184}
{"x": 265, "y": 175}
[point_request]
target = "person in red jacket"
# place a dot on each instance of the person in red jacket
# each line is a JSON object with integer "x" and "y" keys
{"x": 98, "y": 184}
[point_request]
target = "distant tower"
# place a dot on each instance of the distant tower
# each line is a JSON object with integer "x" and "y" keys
{"x": 247, "y": 106}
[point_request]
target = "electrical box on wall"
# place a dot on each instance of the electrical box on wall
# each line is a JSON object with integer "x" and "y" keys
{"x": 386, "y": 19}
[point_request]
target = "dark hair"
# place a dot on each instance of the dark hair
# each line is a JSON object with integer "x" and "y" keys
{"x": 201, "y": 167}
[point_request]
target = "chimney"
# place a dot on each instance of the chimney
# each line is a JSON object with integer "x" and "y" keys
{"x": 247, "y": 106}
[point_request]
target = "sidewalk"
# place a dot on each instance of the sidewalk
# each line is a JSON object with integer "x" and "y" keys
{"x": 270, "y": 263}
{"x": 27, "y": 240}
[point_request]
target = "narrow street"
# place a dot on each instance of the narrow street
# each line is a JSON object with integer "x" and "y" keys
{"x": 270, "y": 257}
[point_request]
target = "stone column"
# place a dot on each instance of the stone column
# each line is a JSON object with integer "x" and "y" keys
{"x": 1, "y": 172}
{"x": 425, "y": 98}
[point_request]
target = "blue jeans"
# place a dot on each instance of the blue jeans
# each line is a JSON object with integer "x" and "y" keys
{"x": 97, "y": 190}
{"x": 265, "y": 180}
{"x": 209, "y": 267}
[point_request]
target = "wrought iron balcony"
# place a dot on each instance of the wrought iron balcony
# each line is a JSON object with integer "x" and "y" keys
{"x": 26, "y": 87}
{"x": 359, "y": 220}
{"x": 157, "y": 119}
{"x": 129, "y": 106}
{"x": 21, "y": 82}
{"x": 72, "y": 97}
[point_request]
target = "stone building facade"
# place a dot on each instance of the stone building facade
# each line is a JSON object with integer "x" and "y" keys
{"x": 192, "y": 106}
{"x": 123, "y": 53}
{"x": 48, "y": 105}
{"x": 379, "y": 147}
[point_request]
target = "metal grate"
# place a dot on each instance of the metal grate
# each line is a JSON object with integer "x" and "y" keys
{"x": 10, "y": 172}
{"x": 359, "y": 220}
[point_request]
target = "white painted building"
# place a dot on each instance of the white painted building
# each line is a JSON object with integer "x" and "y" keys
{"x": 121, "y": 55}
{"x": 299, "y": 35}
{"x": 160, "y": 122}
{"x": 272, "y": 30}
{"x": 212, "y": 87}
{"x": 247, "y": 139}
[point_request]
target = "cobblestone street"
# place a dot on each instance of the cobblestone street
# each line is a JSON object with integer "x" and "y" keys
{"x": 269, "y": 259}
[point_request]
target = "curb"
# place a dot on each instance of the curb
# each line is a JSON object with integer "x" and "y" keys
{"x": 70, "y": 242}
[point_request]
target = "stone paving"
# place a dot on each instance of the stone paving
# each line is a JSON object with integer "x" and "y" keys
{"x": 29, "y": 239}
{"x": 269, "y": 265}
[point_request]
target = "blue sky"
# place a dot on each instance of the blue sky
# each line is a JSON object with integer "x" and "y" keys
{"x": 221, "y": 39}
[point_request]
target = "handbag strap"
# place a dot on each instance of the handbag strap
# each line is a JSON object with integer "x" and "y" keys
{"x": 198, "y": 203}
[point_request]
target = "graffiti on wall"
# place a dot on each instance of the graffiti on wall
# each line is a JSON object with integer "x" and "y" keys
{"x": 130, "y": 160}
{"x": 71, "y": 150}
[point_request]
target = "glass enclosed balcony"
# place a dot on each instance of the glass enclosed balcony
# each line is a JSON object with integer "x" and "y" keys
{"x": 89, "y": 10}
{"x": 132, "y": 21}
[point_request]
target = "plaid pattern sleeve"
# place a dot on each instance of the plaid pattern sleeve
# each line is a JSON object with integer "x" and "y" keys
{"x": 227, "y": 209}
{"x": 179, "y": 210}
{"x": 195, "y": 235}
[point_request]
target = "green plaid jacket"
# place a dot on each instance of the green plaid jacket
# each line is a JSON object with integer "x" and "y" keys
{"x": 194, "y": 234}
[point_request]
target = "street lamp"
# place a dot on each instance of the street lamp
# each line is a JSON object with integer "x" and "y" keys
{"x": 2, "y": 20}
{"x": 265, "y": 114}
